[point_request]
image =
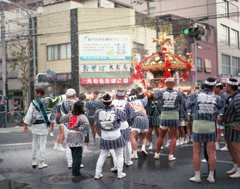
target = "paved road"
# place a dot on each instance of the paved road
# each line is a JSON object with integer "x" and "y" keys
{"x": 146, "y": 173}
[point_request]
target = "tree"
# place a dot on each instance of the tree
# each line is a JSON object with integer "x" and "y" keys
{"x": 21, "y": 59}
{"x": 181, "y": 45}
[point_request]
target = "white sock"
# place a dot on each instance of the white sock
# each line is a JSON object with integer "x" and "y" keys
{"x": 143, "y": 147}
{"x": 235, "y": 166}
{"x": 238, "y": 168}
{"x": 134, "y": 152}
{"x": 197, "y": 174}
{"x": 211, "y": 173}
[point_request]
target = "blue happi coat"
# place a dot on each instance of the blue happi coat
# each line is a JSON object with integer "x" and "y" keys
{"x": 108, "y": 120}
{"x": 170, "y": 101}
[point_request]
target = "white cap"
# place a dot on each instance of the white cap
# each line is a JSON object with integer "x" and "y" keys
{"x": 170, "y": 79}
{"x": 210, "y": 81}
{"x": 232, "y": 81}
{"x": 107, "y": 98}
{"x": 70, "y": 92}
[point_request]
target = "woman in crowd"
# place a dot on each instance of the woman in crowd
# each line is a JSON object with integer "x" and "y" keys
{"x": 78, "y": 126}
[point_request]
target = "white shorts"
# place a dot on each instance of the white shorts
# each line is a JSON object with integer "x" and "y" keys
{"x": 182, "y": 123}
{"x": 220, "y": 126}
{"x": 164, "y": 127}
{"x": 139, "y": 130}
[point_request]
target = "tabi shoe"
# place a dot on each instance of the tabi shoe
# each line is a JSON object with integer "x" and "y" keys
{"x": 134, "y": 156}
{"x": 156, "y": 155}
{"x": 114, "y": 169}
{"x": 34, "y": 163}
{"x": 167, "y": 144}
{"x": 55, "y": 147}
{"x": 85, "y": 150}
{"x": 181, "y": 141}
{"x": 225, "y": 148}
{"x": 217, "y": 146}
{"x": 42, "y": 165}
{"x": 207, "y": 173}
{"x": 171, "y": 158}
{"x": 186, "y": 140}
{"x": 150, "y": 146}
{"x": 210, "y": 180}
{"x": 235, "y": 175}
{"x": 60, "y": 148}
{"x": 98, "y": 176}
{"x": 195, "y": 179}
{"x": 178, "y": 143}
{"x": 70, "y": 165}
{"x": 232, "y": 171}
{"x": 122, "y": 175}
{"x": 129, "y": 163}
{"x": 144, "y": 152}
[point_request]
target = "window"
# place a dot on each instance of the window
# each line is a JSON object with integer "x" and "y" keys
{"x": 234, "y": 15}
{"x": 199, "y": 64}
{"x": 234, "y": 38}
{"x": 235, "y": 66}
{"x": 208, "y": 66}
{"x": 59, "y": 52}
{"x": 224, "y": 8}
{"x": 139, "y": 48}
{"x": 226, "y": 64}
{"x": 224, "y": 34}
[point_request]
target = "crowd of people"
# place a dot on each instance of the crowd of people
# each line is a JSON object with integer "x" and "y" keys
{"x": 125, "y": 121}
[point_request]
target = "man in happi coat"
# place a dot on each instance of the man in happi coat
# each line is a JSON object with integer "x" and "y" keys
{"x": 206, "y": 107}
{"x": 231, "y": 119}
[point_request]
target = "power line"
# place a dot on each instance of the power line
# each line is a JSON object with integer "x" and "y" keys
{"x": 131, "y": 26}
{"x": 103, "y": 20}
{"x": 150, "y": 24}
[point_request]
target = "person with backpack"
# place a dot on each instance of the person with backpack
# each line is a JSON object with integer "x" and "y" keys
{"x": 37, "y": 117}
{"x": 78, "y": 126}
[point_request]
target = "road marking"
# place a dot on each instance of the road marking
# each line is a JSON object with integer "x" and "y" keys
{"x": 11, "y": 129}
{"x": 222, "y": 161}
{"x": 15, "y": 144}
{"x": 20, "y": 144}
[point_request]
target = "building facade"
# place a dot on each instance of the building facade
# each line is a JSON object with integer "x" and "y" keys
{"x": 223, "y": 15}
{"x": 95, "y": 43}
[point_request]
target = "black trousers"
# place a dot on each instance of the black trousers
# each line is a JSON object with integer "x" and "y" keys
{"x": 77, "y": 159}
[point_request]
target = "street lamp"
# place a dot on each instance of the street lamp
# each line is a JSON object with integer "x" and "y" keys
{"x": 33, "y": 34}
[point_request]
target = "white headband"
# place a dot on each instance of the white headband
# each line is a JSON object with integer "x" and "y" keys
{"x": 234, "y": 83}
{"x": 210, "y": 83}
{"x": 120, "y": 93}
{"x": 110, "y": 100}
{"x": 170, "y": 79}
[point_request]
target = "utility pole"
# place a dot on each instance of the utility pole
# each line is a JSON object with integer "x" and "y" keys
{"x": 158, "y": 47}
{"x": 148, "y": 8}
{"x": 195, "y": 60}
{"x": 4, "y": 62}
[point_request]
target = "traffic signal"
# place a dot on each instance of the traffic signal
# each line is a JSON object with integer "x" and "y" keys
{"x": 195, "y": 32}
